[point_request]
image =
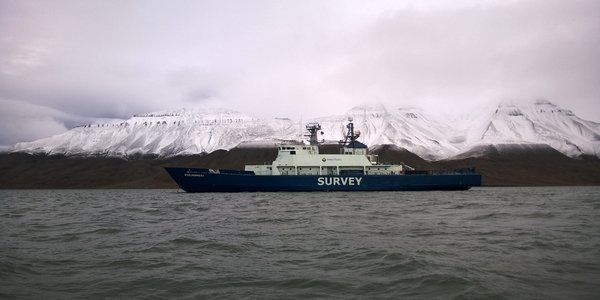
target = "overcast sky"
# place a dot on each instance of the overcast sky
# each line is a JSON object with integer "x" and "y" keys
{"x": 64, "y": 63}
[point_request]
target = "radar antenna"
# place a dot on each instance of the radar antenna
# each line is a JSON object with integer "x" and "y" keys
{"x": 313, "y": 128}
{"x": 351, "y": 135}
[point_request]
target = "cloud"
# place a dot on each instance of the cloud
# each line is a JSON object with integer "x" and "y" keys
{"x": 455, "y": 57}
{"x": 20, "y": 121}
{"x": 114, "y": 59}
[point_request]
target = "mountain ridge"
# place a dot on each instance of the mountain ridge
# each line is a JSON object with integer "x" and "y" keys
{"x": 189, "y": 132}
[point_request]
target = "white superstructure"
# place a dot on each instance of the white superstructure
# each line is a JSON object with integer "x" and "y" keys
{"x": 301, "y": 159}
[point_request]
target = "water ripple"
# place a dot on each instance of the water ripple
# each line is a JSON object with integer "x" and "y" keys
{"x": 487, "y": 243}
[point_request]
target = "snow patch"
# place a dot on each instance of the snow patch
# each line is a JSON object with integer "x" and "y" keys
{"x": 186, "y": 132}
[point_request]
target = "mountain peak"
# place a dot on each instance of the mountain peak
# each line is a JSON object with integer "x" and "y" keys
{"x": 543, "y": 102}
{"x": 191, "y": 131}
{"x": 538, "y": 106}
{"x": 376, "y": 107}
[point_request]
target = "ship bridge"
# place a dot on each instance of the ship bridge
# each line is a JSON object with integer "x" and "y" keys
{"x": 302, "y": 159}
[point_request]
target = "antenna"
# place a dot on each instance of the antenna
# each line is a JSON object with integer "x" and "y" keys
{"x": 300, "y": 128}
{"x": 313, "y": 129}
{"x": 350, "y": 135}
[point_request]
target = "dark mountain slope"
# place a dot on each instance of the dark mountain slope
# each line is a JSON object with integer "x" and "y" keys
{"x": 499, "y": 165}
{"x": 528, "y": 165}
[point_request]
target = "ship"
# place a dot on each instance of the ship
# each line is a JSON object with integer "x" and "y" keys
{"x": 299, "y": 167}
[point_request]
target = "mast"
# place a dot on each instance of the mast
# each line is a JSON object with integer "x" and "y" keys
{"x": 313, "y": 128}
{"x": 351, "y": 136}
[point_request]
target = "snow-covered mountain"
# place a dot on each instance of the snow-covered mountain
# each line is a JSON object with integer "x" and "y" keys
{"x": 429, "y": 136}
{"x": 409, "y": 128}
{"x": 165, "y": 133}
{"x": 539, "y": 122}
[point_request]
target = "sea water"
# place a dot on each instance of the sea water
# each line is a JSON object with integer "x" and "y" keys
{"x": 485, "y": 243}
